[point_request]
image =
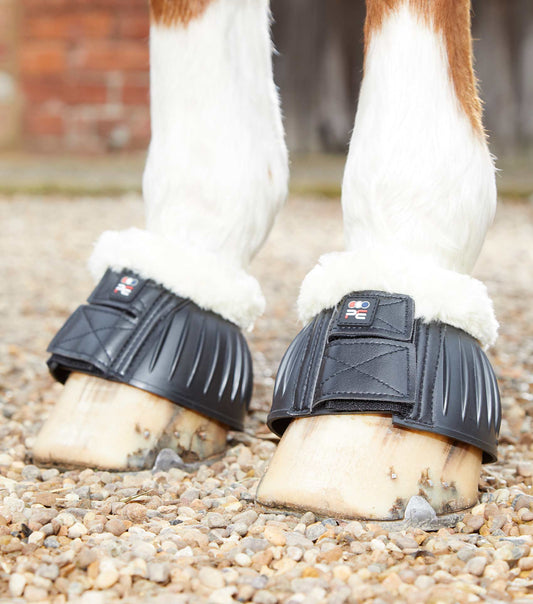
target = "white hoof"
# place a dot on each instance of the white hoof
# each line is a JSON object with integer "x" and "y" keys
{"x": 361, "y": 466}
{"x": 102, "y": 424}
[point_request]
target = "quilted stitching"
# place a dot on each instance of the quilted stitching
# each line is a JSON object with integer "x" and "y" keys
{"x": 368, "y": 368}
{"x": 84, "y": 336}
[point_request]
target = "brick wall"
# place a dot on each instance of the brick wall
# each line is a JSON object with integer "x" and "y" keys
{"x": 9, "y": 96}
{"x": 83, "y": 74}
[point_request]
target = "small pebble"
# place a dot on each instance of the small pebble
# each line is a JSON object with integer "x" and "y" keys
{"x": 405, "y": 541}
{"x": 308, "y": 518}
{"x": 476, "y": 565}
{"x": 159, "y": 572}
{"x": 211, "y": 577}
{"x": 48, "y": 571}
{"x": 49, "y": 474}
{"x": 136, "y": 512}
{"x": 31, "y": 472}
{"x": 342, "y": 572}
{"x": 107, "y": 575}
{"x": 294, "y": 553}
{"x": 51, "y": 542}
{"x": 264, "y": 597}
{"x": 33, "y": 593}
{"x": 77, "y": 530}
{"x": 215, "y": 520}
{"x": 36, "y": 538}
{"x": 275, "y": 535}
{"x": 424, "y": 582}
{"x": 243, "y": 559}
{"x": 17, "y": 583}
{"x": 314, "y": 531}
{"x": 115, "y": 526}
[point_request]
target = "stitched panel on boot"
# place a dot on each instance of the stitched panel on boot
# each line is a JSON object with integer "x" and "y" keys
{"x": 93, "y": 334}
{"x": 368, "y": 369}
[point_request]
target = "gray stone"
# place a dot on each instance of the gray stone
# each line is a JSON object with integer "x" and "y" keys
{"x": 31, "y": 473}
{"x": 215, "y": 520}
{"x": 254, "y": 544}
{"x": 419, "y": 511}
{"x": 51, "y": 542}
{"x": 298, "y": 540}
{"x": 314, "y": 531}
{"x": 259, "y": 582}
{"x": 49, "y": 474}
{"x": 168, "y": 459}
{"x": 405, "y": 541}
{"x": 308, "y": 518}
{"x": 248, "y": 517}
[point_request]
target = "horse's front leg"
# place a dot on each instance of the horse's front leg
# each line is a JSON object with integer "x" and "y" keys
{"x": 157, "y": 357}
{"x": 387, "y": 393}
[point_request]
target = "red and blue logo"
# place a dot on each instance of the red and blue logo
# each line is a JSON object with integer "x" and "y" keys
{"x": 357, "y": 309}
{"x": 357, "y": 312}
{"x": 125, "y": 286}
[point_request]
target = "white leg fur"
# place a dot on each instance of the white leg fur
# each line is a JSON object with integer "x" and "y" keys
{"x": 419, "y": 188}
{"x": 217, "y": 167}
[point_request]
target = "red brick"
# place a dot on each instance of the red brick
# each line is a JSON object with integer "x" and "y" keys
{"x": 70, "y": 90}
{"x": 7, "y": 20}
{"x": 114, "y": 56}
{"x": 139, "y": 120}
{"x": 43, "y": 123}
{"x": 86, "y": 94}
{"x": 5, "y": 53}
{"x": 76, "y": 56}
{"x": 136, "y": 95}
{"x": 133, "y": 25}
{"x": 9, "y": 124}
{"x": 94, "y": 24}
{"x": 39, "y": 89}
{"x": 35, "y": 7}
{"x": 43, "y": 57}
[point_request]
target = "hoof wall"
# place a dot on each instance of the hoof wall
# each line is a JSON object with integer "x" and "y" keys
{"x": 102, "y": 424}
{"x": 363, "y": 467}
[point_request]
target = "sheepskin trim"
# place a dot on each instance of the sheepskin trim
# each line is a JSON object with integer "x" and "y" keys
{"x": 202, "y": 277}
{"x": 439, "y": 294}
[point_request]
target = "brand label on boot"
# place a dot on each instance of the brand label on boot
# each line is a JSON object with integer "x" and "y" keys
{"x": 125, "y": 289}
{"x": 358, "y": 311}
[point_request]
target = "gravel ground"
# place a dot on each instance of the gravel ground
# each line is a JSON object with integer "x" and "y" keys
{"x": 178, "y": 537}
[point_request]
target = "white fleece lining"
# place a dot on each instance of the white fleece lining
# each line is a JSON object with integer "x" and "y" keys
{"x": 201, "y": 276}
{"x": 439, "y": 294}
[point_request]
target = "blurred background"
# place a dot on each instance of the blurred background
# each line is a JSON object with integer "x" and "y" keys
{"x": 74, "y": 77}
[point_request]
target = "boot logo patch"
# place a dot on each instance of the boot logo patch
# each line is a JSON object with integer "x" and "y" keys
{"x": 358, "y": 311}
{"x": 125, "y": 289}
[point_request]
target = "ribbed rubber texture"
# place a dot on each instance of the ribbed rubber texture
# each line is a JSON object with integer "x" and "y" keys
{"x": 156, "y": 341}
{"x": 430, "y": 377}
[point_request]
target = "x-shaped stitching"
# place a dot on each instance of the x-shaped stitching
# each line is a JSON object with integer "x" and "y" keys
{"x": 95, "y": 332}
{"x": 357, "y": 366}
